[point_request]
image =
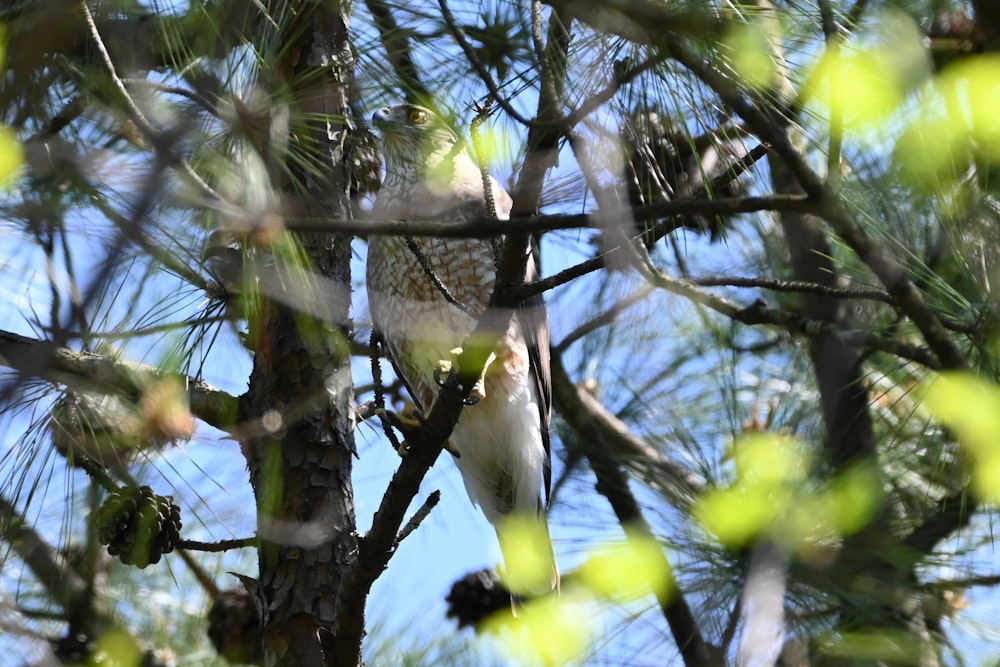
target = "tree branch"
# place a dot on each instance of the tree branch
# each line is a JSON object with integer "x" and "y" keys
{"x": 758, "y": 313}
{"x": 220, "y": 545}
{"x": 39, "y": 358}
{"x": 51, "y": 570}
{"x": 459, "y": 35}
{"x": 596, "y": 430}
{"x": 399, "y": 52}
{"x": 528, "y": 222}
{"x": 588, "y": 417}
{"x": 603, "y": 319}
{"x": 832, "y": 209}
{"x": 952, "y": 513}
{"x": 797, "y": 286}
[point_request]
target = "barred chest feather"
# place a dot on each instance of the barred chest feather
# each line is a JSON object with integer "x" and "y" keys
{"x": 418, "y": 324}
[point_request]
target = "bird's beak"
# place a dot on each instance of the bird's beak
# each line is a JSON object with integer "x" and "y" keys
{"x": 382, "y": 117}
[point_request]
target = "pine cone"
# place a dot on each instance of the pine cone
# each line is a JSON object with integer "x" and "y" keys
{"x": 477, "y": 596}
{"x": 234, "y": 628}
{"x": 665, "y": 163}
{"x": 138, "y": 526}
{"x": 73, "y": 649}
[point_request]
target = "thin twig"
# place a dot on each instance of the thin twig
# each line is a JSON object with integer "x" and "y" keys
{"x": 375, "y": 348}
{"x": 96, "y": 472}
{"x": 527, "y": 223}
{"x": 875, "y": 255}
{"x": 482, "y": 113}
{"x": 138, "y": 117}
{"x": 198, "y": 98}
{"x": 758, "y": 313}
{"x": 221, "y": 545}
{"x": 592, "y": 103}
{"x": 199, "y": 572}
{"x": 603, "y": 319}
{"x": 459, "y": 35}
{"x": 60, "y": 580}
{"x": 418, "y": 517}
{"x": 793, "y": 286}
{"x": 70, "y": 112}
{"x": 566, "y": 275}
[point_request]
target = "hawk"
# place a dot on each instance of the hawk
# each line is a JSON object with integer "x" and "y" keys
{"x": 425, "y": 296}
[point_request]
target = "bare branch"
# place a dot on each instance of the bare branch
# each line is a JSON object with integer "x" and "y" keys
{"x": 591, "y": 425}
{"x": 484, "y": 74}
{"x": 759, "y": 313}
{"x": 527, "y": 223}
{"x": 70, "y": 112}
{"x": 588, "y": 417}
{"x": 43, "y": 359}
{"x": 418, "y": 517}
{"x": 875, "y": 255}
{"x": 138, "y": 117}
{"x": 221, "y": 545}
{"x": 602, "y": 319}
{"x": 51, "y": 570}
{"x": 399, "y": 52}
{"x": 793, "y": 286}
{"x": 952, "y": 513}
{"x": 591, "y": 104}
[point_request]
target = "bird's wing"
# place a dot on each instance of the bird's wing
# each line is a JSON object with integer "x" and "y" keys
{"x": 535, "y": 329}
{"x": 534, "y": 322}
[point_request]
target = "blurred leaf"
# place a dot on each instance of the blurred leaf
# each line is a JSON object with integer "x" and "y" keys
{"x": 970, "y": 407}
{"x": 627, "y": 571}
{"x": 11, "y": 155}
{"x": 551, "y": 631}
{"x": 865, "y": 84}
{"x": 750, "y": 54}
{"x": 524, "y": 541}
{"x": 774, "y": 494}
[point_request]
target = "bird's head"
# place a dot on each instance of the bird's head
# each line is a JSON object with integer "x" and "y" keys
{"x": 414, "y": 139}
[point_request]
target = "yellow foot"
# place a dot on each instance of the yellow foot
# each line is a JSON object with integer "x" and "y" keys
{"x": 444, "y": 367}
{"x": 408, "y": 425}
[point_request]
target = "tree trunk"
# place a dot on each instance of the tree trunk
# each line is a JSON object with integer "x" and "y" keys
{"x": 298, "y": 407}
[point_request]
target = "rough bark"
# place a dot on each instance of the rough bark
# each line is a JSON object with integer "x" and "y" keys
{"x": 300, "y": 456}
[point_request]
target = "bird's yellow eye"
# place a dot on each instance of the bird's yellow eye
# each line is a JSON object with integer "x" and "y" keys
{"x": 417, "y": 116}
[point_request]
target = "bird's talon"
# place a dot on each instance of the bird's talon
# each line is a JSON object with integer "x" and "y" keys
{"x": 441, "y": 372}
{"x": 408, "y": 425}
{"x": 470, "y": 400}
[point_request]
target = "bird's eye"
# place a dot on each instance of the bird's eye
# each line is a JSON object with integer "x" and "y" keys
{"x": 417, "y": 116}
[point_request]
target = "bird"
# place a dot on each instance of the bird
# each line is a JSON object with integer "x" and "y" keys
{"x": 425, "y": 297}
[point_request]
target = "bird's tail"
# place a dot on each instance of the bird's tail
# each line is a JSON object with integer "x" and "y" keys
{"x": 530, "y": 568}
